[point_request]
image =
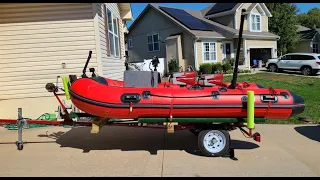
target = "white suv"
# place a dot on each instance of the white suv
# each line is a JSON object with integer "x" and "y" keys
{"x": 307, "y": 63}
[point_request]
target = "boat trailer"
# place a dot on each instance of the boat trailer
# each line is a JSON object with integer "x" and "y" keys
{"x": 211, "y": 134}
{"x": 203, "y": 129}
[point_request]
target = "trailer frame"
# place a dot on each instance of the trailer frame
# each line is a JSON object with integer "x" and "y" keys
{"x": 97, "y": 123}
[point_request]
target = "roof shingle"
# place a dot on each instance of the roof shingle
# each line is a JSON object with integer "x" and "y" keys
{"x": 221, "y": 7}
{"x": 308, "y": 34}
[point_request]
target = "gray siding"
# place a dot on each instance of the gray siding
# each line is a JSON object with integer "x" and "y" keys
{"x": 152, "y": 22}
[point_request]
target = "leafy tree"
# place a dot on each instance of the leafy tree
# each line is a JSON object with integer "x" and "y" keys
{"x": 283, "y": 23}
{"x": 311, "y": 19}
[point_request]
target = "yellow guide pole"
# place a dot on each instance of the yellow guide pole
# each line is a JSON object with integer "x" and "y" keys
{"x": 65, "y": 82}
{"x": 250, "y": 109}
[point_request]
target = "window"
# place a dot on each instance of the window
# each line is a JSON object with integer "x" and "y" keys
{"x": 315, "y": 48}
{"x": 255, "y": 22}
{"x": 304, "y": 57}
{"x": 153, "y": 42}
{"x": 209, "y": 51}
{"x": 299, "y": 57}
{"x": 113, "y": 34}
{"x": 130, "y": 43}
{"x": 284, "y": 57}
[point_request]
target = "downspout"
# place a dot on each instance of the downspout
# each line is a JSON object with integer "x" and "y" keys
{"x": 195, "y": 52}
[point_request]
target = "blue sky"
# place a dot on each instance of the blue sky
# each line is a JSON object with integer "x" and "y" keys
{"x": 137, "y": 8}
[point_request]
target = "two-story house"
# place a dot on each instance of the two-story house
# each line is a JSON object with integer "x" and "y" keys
{"x": 209, "y": 35}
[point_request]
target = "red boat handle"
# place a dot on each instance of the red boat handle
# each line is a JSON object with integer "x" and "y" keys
{"x": 130, "y": 106}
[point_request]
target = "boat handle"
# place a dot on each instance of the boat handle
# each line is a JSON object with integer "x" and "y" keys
{"x": 268, "y": 98}
{"x": 130, "y": 98}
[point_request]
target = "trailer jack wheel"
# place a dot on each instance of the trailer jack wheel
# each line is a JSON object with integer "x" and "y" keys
{"x": 19, "y": 145}
{"x": 214, "y": 143}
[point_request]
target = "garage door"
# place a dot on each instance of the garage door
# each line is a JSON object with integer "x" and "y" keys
{"x": 260, "y": 54}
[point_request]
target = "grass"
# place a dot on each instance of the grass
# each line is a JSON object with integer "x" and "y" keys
{"x": 306, "y": 87}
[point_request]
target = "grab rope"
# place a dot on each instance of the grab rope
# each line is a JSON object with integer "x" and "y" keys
{"x": 162, "y": 96}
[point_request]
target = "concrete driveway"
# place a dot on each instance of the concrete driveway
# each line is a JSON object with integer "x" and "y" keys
{"x": 285, "y": 150}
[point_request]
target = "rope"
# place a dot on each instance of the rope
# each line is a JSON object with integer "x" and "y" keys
{"x": 195, "y": 96}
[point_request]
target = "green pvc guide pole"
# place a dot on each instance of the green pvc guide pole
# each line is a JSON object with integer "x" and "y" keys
{"x": 65, "y": 81}
{"x": 250, "y": 109}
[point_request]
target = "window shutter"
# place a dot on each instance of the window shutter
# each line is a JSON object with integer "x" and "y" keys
{"x": 106, "y": 29}
{"x": 119, "y": 37}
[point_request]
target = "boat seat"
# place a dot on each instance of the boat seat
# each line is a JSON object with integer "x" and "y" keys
{"x": 100, "y": 80}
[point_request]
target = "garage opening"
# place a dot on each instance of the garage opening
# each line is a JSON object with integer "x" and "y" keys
{"x": 260, "y": 54}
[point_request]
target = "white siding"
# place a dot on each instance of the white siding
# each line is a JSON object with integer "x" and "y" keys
{"x": 35, "y": 39}
{"x": 112, "y": 67}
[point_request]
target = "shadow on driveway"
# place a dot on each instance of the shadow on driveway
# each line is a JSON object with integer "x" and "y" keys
{"x": 133, "y": 139}
{"x": 311, "y": 132}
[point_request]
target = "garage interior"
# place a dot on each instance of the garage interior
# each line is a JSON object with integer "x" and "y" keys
{"x": 260, "y": 54}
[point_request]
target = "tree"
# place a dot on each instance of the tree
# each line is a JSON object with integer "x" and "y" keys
{"x": 310, "y": 19}
{"x": 283, "y": 23}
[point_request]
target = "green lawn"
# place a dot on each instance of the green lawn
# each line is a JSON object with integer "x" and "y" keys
{"x": 306, "y": 87}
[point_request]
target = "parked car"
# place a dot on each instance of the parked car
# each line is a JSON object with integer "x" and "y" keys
{"x": 307, "y": 63}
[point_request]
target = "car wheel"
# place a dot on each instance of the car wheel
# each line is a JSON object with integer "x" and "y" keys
{"x": 306, "y": 71}
{"x": 273, "y": 68}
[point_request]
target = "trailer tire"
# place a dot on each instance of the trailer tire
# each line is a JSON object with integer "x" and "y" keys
{"x": 219, "y": 147}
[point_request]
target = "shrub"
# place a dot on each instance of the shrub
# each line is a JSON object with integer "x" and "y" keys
{"x": 229, "y": 71}
{"x": 173, "y": 65}
{"x": 217, "y": 68}
{"x": 205, "y": 68}
{"x": 231, "y": 61}
{"x": 226, "y": 66}
{"x": 244, "y": 71}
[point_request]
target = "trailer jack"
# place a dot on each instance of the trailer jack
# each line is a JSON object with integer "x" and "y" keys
{"x": 256, "y": 136}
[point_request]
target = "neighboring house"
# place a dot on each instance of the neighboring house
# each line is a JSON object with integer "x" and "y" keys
{"x": 309, "y": 40}
{"x": 40, "y": 41}
{"x": 195, "y": 37}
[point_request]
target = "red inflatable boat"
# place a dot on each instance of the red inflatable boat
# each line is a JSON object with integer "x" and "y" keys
{"x": 95, "y": 96}
{"x": 104, "y": 97}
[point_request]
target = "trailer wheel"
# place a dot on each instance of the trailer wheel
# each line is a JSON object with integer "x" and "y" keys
{"x": 214, "y": 143}
{"x": 195, "y": 131}
{"x": 19, "y": 146}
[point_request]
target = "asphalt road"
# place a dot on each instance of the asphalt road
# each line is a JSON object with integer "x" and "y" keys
{"x": 285, "y": 150}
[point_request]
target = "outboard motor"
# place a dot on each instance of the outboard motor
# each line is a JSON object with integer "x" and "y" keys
{"x": 155, "y": 61}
